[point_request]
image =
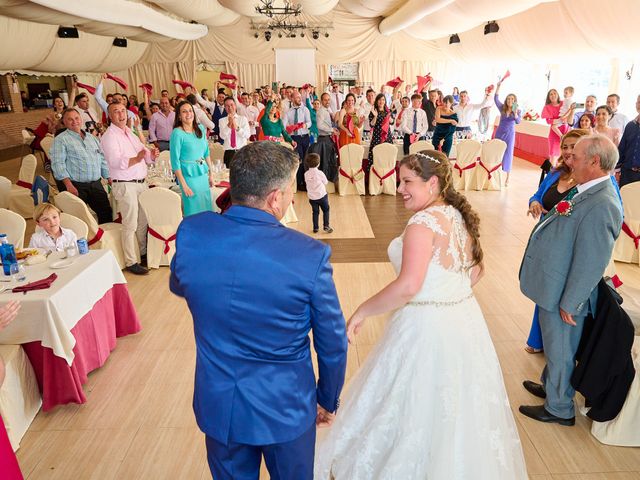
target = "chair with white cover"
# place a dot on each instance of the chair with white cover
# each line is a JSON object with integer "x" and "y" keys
{"x": 75, "y": 224}
{"x": 489, "y": 171}
{"x": 5, "y": 191}
{"x": 351, "y": 175}
{"x": 20, "y": 398}
{"x": 382, "y": 177}
{"x": 20, "y": 199}
{"x": 164, "y": 160}
{"x": 163, "y": 209}
{"x": 291, "y": 213}
{"x": 216, "y": 151}
{"x": 14, "y": 226}
{"x": 464, "y": 168}
{"x": 106, "y": 236}
{"x": 290, "y": 216}
{"x": 46, "y": 144}
{"x": 419, "y": 146}
{"x": 626, "y": 247}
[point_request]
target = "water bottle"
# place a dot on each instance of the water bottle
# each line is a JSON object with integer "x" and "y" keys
{"x": 8, "y": 254}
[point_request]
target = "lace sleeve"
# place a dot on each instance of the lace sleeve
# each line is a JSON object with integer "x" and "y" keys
{"x": 428, "y": 220}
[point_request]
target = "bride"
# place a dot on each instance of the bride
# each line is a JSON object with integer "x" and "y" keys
{"x": 429, "y": 402}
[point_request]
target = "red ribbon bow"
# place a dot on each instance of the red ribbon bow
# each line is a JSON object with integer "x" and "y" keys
{"x": 24, "y": 184}
{"x": 98, "y": 236}
{"x": 461, "y": 169}
{"x": 166, "y": 241}
{"x": 88, "y": 88}
{"x": 489, "y": 172}
{"x": 118, "y": 80}
{"x": 385, "y": 176}
{"x": 346, "y": 175}
{"x": 636, "y": 238}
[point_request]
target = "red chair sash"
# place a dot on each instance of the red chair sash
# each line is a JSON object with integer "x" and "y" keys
{"x": 627, "y": 229}
{"x": 346, "y": 175}
{"x": 21, "y": 183}
{"x": 166, "y": 241}
{"x": 461, "y": 169}
{"x": 98, "y": 236}
{"x": 385, "y": 176}
{"x": 489, "y": 172}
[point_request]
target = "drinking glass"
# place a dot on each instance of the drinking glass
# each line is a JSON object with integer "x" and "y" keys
{"x": 18, "y": 273}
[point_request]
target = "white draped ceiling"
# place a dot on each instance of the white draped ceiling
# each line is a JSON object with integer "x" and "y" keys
{"x": 168, "y": 36}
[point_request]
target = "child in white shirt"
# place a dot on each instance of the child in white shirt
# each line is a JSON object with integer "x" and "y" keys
{"x": 51, "y": 236}
{"x": 566, "y": 112}
{"x": 317, "y": 192}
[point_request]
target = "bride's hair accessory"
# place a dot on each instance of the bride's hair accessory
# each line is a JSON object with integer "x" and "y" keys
{"x": 428, "y": 157}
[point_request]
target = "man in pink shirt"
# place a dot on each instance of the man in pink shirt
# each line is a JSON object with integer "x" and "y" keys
{"x": 127, "y": 158}
{"x": 161, "y": 125}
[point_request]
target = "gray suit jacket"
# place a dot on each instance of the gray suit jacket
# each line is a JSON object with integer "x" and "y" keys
{"x": 567, "y": 255}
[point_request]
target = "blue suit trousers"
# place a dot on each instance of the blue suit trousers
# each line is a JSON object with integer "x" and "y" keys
{"x": 285, "y": 461}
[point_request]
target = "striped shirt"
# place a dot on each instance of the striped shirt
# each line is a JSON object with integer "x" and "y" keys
{"x": 79, "y": 159}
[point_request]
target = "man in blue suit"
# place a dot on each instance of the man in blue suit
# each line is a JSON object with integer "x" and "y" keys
{"x": 255, "y": 289}
{"x": 565, "y": 258}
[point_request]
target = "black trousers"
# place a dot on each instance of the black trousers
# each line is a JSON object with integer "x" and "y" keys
{"x": 228, "y": 156}
{"x": 94, "y": 195}
{"x": 328, "y": 158}
{"x": 406, "y": 142}
{"x": 302, "y": 145}
{"x": 316, "y": 205}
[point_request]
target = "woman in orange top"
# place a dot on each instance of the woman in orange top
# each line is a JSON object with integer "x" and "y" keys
{"x": 349, "y": 122}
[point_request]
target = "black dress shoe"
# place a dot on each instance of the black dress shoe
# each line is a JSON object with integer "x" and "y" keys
{"x": 538, "y": 412}
{"x": 143, "y": 260}
{"x": 137, "y": 269}
{"x": 534, "y": 389}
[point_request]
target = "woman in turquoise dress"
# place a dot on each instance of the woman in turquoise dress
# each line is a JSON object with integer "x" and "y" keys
{"x": 190, "y": 161}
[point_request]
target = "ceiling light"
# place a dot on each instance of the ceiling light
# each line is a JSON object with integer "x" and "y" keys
{"x": 315, "y": 34}
{"x": 491, "y": 27}
{"x": 120, "y": 42}
{"x": 454, "y": 39}
{"x": 256, "y": 35}
{"x": 267, "y": 35}
{"x": 326, "y": 34}
{"x": 68, "y": 32}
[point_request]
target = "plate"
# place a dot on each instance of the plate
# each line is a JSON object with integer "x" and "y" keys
{"x": 67, "y": 262}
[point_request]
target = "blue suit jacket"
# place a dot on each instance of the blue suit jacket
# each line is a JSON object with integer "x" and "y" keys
{"x": 215, "y": 117}
{"x": 255, "y": 290}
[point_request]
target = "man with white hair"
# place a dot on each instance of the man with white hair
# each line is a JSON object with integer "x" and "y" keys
{"x": 562, "y": 265}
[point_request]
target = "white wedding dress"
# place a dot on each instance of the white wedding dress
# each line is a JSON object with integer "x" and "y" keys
{"x": 429, "y": 403}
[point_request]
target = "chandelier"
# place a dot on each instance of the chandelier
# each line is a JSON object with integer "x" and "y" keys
{"x": 283, "y": 21}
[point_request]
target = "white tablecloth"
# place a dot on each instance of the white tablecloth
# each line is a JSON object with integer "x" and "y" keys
{"x": 49, "y": 315}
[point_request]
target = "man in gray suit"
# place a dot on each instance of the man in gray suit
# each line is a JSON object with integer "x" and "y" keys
{"x": 565, "y": 258}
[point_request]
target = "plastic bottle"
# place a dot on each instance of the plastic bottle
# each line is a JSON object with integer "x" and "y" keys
{"x": 7, "y": 253}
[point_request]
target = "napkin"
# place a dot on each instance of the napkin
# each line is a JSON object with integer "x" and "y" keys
{"x": 88, "y": 88}
{"x": 182, "y": 83}
{"x": 229, "y": 85}
{"x": 223, "y": 185}
{"x": 37, "y": 285}
{"x": 147, "y": 87}
{"x": 227, "y": 76}
{"x": 118, "y": 80}
{"x": 293, "y": 127}
{"x": 394, "y": 83}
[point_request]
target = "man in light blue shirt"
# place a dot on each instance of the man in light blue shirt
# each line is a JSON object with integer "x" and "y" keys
{"x": 78, "y": 165}
{"x": 299, "y": 114}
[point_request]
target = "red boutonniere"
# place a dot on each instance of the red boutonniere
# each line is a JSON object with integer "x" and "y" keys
{"x": 564, "y": 208}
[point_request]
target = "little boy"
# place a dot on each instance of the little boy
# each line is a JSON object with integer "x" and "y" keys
{"x": 566, "y": 112}
{"x": 51, "y": 236}
{"x": 317, "y": 192}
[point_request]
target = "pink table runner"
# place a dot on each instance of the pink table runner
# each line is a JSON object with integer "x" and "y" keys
{"x": 113, "y": 316}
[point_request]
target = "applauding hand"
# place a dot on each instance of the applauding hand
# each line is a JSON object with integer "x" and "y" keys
{"x": 536, "y": 209}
